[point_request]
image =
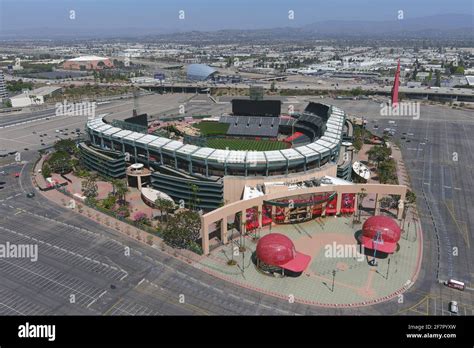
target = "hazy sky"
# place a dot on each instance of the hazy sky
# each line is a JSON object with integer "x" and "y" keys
{"x": 210, "y": 14}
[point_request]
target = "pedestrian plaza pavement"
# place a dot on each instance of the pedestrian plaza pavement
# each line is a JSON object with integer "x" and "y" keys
{"x": 338, "y": 279}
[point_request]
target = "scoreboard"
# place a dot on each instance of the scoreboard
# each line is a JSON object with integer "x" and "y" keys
{"x": 245, "y": 107}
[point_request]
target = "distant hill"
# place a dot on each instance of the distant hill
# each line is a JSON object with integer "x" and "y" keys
{"x": 430, "y": 27}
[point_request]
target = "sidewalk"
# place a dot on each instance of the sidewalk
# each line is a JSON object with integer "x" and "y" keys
{"x": 402, "y": 175}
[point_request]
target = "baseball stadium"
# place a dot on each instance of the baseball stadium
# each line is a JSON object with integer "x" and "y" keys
{"x": 301, "y": 170}
{"x": 242, "y": 145}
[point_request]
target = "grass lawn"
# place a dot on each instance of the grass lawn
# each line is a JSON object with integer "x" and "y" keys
{"x": 246, "y": 144}
{"x": 212, "y": 128}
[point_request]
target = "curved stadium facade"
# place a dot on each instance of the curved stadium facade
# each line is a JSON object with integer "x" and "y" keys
{"x": 199, "y": 72}
{"x": 178, "y": 166}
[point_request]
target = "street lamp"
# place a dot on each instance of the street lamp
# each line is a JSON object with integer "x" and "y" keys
{"x": 333, "y": 278}
{"x": 377, "y": 240}
{"x": 388, "y": 268}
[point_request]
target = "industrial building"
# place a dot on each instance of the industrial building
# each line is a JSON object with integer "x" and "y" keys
{"x": 36, "y": 96}
{"x": 88, "y": 63}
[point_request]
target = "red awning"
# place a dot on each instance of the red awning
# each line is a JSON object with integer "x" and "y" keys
{"x": 298, "y": 263}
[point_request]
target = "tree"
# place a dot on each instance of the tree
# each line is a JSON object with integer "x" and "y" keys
{"x": 183, "y": 229}
{"x": 386, "y": 202}
{"x": 109, "y": 202}
{"x": 46, "y": 170}
{"x": 159, "y": 205}
{"x": 378, "y": 154}
{"x": 361, "y": 195}
{"x": 89, "y": 188}
{"x": 193, "y": 200}
{"x": 438, "y": 78}
{"x": 60, "y": 162}
{"x": 115, "y": 183}
{"x": 459, "y": 70}
{"x": 359, "y": 137}
{"x": 272, "y": 87}
{"x": 164, "y": 205}
{"x": 410, "y": 197}
{"x": 387, "y": 172}
{"x": 66, "y": 145}
{"x": 167, "y": 206}
{"x": 120, "y": 190}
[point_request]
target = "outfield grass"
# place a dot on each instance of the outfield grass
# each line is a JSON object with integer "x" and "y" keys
{"x": 212, "y": 128}
{"x": 246, "y": 144}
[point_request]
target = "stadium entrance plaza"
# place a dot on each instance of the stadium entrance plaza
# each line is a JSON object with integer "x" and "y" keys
{"x": 356, "y": 283}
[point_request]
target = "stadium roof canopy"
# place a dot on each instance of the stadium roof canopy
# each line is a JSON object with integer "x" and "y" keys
{"x": 323, "y": 147}
{"x": 199, "y": 72}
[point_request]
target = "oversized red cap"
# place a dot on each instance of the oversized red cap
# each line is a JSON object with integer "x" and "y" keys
{"x": 276, "y": 249}
{"x": 389, "y": 233}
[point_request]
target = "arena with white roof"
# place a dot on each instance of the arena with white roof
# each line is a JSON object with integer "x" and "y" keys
{"x": 177, "y": 166}
{"x": 214, "y": 162}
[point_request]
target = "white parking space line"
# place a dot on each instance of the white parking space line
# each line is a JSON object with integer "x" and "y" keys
{"x": 95, "y": 300}
{"x": 12, "y": 309}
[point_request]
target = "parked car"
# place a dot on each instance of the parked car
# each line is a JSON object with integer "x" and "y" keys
{"x": 453, "y": 307}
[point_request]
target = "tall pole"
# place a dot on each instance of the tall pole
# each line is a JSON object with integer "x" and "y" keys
{"x": 333, "y": 278}
{"x": 232, "y": 242}
{"x": 388, "y": 268}
{"x": 377, "y": 239}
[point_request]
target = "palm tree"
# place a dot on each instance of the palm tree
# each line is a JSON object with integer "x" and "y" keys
{"x": 242, "y": 234}
{"x": 193, "y": 200}
{"x": 230, "y": 227}
{"x": 115, "y": 183}
{"x": 259, "y": 214}
{"x": 90, "y": 188}
{"x": 407, "y": 205}
{"x": 167, "y": 206}
{"x": 360, "y": 197}
{"x": 121, "y": 190}
{"x": 160, "y": 206}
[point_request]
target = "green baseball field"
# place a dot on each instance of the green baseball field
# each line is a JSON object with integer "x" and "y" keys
{"x": 215, "y": 129}
{"x": 245, "y": 144}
